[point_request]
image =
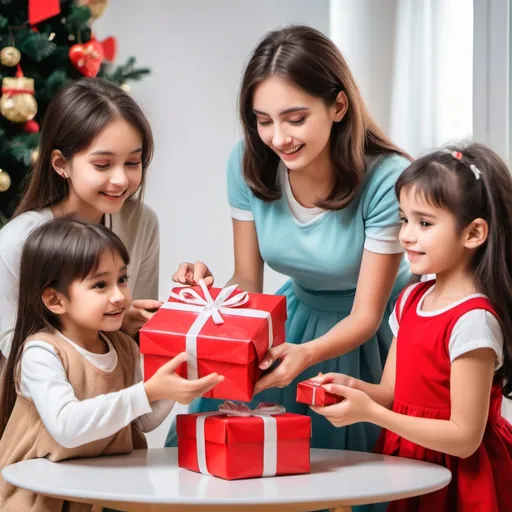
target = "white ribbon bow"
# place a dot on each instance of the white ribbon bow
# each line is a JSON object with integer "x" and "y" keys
{"x": 241, "y": 409}
{"x": 190, "y": 300}
{"x": 207, "y": 304}
{"x": 265, "y": 411}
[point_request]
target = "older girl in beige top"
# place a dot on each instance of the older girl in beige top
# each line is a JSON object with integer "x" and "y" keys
{"x": 94, "y": 152}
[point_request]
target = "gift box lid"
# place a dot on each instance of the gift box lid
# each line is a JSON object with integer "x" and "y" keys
{"x": 224, "y": 429}
{"x": 165, "y": 332}
{"x": 312, "y": 384}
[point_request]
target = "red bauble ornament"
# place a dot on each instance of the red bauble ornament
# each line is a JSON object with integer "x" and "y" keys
{"x": 31, "y": 126}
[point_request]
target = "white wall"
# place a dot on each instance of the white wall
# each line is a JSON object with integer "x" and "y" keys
{"x": 364, "y": 31}
{"x": 196, "y": 50}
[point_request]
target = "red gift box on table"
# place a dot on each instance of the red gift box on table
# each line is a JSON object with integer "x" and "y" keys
{"x": 223, "y": 330}
{"x": 237, "y": 442}
{"x": 309, "y": 392}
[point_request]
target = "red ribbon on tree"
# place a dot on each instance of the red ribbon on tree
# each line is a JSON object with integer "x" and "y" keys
{"x": 40, "y": 10}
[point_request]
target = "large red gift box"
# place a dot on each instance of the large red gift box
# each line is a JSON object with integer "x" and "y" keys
{"x": 308, "y": 392}
{"x": 250, "y": 446}
{"x": 223, "y": 330}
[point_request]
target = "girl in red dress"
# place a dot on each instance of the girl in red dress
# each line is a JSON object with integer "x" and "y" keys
{"x": 451, "y": 359}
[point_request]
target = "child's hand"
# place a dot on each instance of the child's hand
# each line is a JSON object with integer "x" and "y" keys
{"x": 356, "y": 407}
{"x": 168, "y": 385}
{"x": 334, "y": 378}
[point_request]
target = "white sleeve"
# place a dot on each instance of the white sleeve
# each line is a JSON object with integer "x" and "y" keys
{"x": 72, "y": 422}
{"x": 239, "y": 214}
{"x": 12, "y": 238}
{"x": 9, "y": 282}
{"x": 160, "y": 409}
{"x": 384, "y": 240}
{"x": 476, "y": 329}
{"x": 10, "y": 256}
{"x": 394, "y": 324}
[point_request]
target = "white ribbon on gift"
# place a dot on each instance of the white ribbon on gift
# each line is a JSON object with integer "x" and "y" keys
{"x": 190, "y": 300}
{"x": 313, "y": 401}
{"x": 265, "y": 412}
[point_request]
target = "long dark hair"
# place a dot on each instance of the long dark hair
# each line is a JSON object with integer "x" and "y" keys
{"x": 54, "y": 255}
{"x": 75, "y": 116}
{"x": 307, "y": 58}
{"x": 449, "y": 183}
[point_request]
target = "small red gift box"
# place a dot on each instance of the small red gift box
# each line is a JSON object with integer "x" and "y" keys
{"x": 308, "y": 392}
{"x": 223, "y": 330}
{"x": 237, "y": 442}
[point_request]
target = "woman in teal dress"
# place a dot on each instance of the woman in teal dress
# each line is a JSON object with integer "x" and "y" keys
{"x": 311, "y": 190}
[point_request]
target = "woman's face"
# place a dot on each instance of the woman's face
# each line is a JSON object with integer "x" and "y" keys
{"x": 106, "y": 173}
{"x": 294, "y": 124}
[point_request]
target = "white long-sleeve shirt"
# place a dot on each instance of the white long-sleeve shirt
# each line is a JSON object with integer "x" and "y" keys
{"x": 72, "y": 422}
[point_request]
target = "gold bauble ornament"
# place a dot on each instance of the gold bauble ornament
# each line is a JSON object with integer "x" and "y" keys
{"x": 97, "y": 7}
{"x": 17, "y": 103}
{"x": 10, "y": 56}
{"x": 34, "y": 156}
{"x": 5, "y": 181}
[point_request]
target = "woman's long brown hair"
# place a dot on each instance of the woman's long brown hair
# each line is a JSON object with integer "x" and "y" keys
{"x": 310, "y": 60}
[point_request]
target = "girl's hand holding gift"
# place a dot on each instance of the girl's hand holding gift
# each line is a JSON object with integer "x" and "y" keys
{"x": 357, "y": 406}
{"x": 166, "y": 384}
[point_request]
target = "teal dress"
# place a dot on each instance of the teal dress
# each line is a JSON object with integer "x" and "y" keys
{"x": 322, "y": 258}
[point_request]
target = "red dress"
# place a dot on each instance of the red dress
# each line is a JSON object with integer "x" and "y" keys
{"x": 481, "y": 482}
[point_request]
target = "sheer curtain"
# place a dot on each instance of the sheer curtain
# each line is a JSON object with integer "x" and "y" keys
{"x": 413, "y": 60}
{"x": 432, "y": 85}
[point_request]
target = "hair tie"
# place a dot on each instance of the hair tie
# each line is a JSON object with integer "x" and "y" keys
{"x": 458, "y": 155}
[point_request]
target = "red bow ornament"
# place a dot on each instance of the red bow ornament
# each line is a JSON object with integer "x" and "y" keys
{"x": 87, "y": 57}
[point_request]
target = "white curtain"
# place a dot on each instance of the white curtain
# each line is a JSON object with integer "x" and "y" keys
{"x": 413, "y": 60}
{"x": 432, "y": 84}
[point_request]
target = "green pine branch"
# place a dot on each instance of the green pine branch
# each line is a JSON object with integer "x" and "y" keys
{"x": 124, "y": 73}
{"x": 22, "y": 146}
{"x": 80, "y": 15}
{"x": 37, "y": 46}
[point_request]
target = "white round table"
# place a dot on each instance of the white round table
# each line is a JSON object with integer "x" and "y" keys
{"x": 150, "y": 480}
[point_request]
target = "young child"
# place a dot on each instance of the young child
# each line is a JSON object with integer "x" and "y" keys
{"x": 451, "y": 357}
{"x": 94, "y": 152}
{"x": 73, "y": 384}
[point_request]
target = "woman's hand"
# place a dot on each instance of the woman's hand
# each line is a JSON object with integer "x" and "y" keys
{"x": 192, "y": 273}
{"x": 294, "y": 360}
{"x": 166, "y": 384}
{"x": 138, "y": 314}
{"x": 357, "y": 406}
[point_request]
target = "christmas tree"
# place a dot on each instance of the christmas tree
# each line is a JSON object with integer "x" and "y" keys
{"x": 44, "y": 44}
